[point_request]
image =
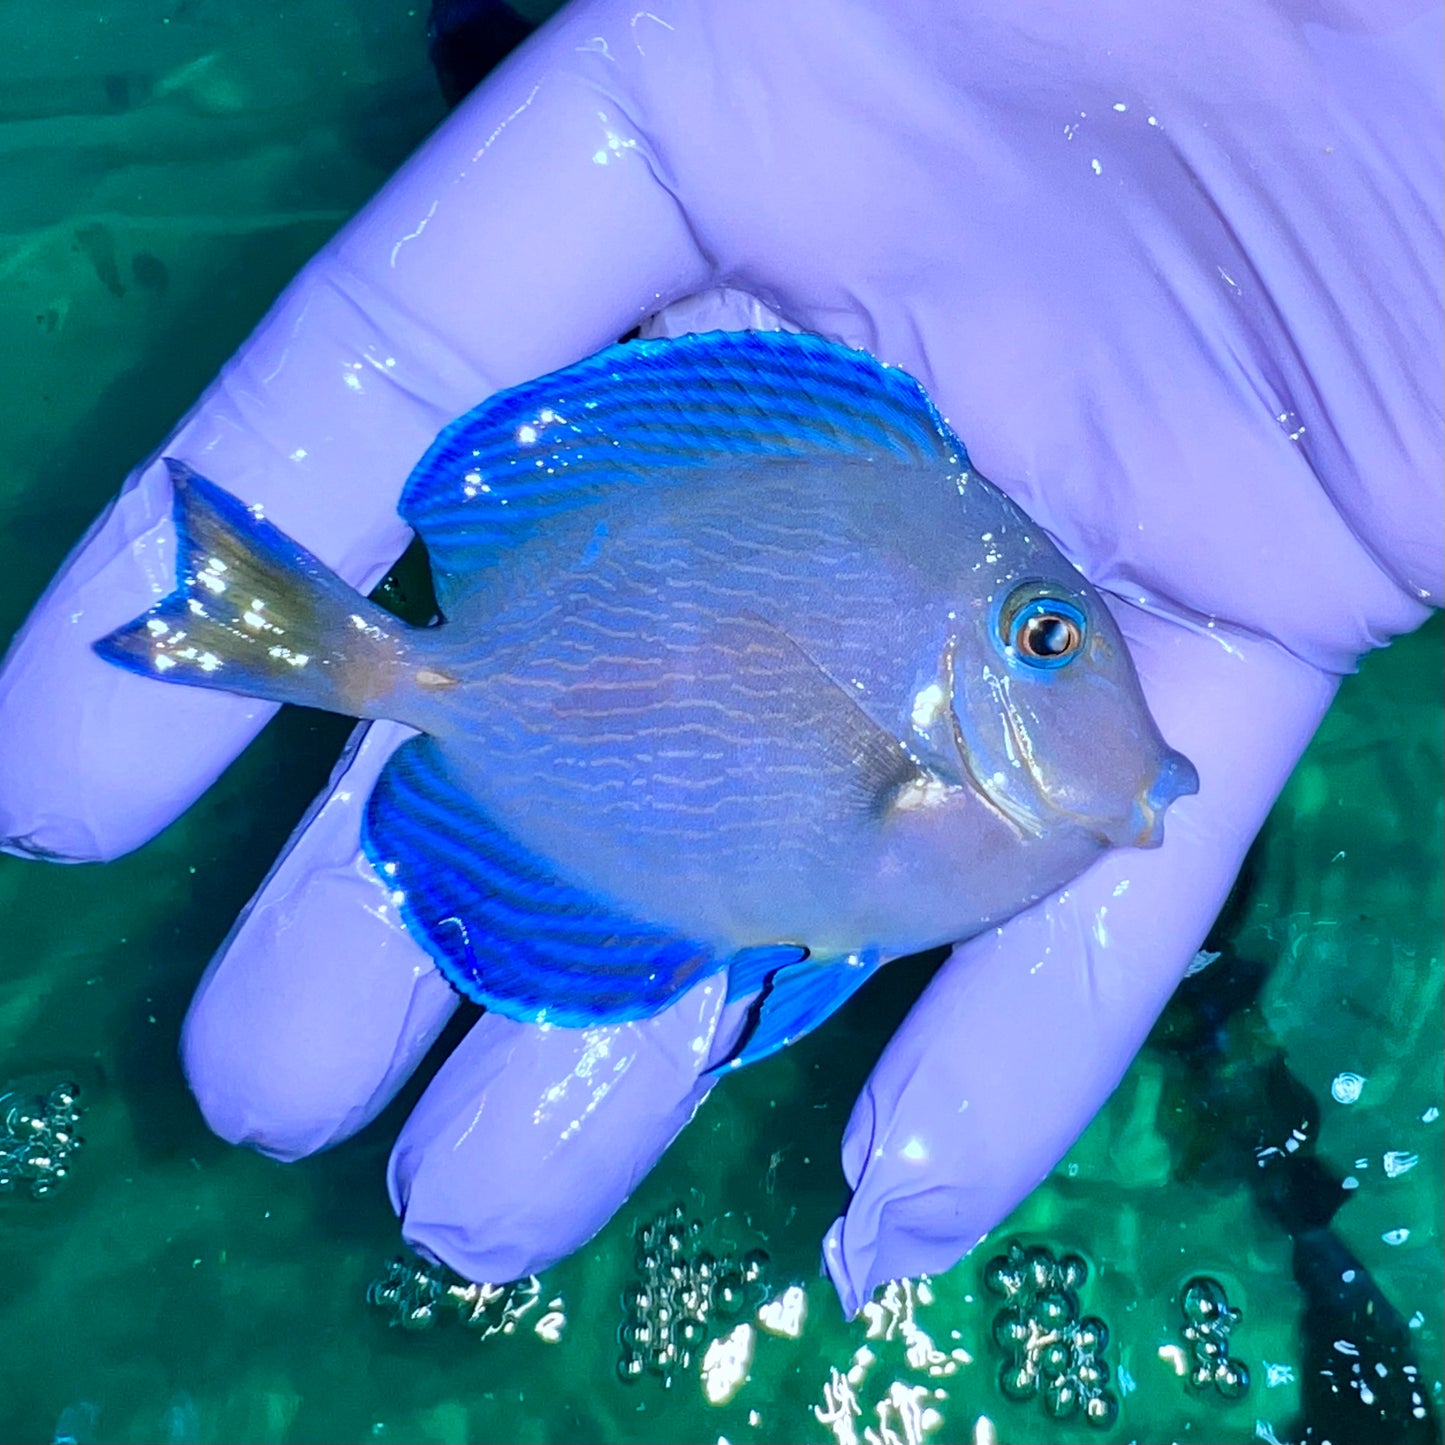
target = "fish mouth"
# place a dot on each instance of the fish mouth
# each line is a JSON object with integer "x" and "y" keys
{"x": 1176, "y": 778}
{"x": 1031, "y": 810}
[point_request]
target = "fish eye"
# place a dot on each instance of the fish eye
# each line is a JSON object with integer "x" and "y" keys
{"x": 1044, "y": 632}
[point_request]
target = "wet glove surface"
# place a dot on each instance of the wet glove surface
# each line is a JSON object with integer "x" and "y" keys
{"x": 1140, "y": 289}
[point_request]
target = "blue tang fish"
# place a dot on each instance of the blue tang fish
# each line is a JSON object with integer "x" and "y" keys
{"x": 742, "y": 667}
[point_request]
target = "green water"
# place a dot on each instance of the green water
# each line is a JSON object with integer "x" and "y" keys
{"x": 164, "y": 168}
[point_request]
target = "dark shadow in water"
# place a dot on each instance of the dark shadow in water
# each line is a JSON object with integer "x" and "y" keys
{"x": 380, "y": 129}
{"x": 348, "y": 1183}
{"x": 1230, "y": 1087}
{"x": 797, "y": 1104}
{"x": 467, "y": 38}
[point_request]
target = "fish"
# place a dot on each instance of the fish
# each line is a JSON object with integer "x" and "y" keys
{"x": 742, "y": 669}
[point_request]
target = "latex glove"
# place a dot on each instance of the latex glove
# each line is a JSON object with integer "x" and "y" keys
{"x": 1170, "y": 271}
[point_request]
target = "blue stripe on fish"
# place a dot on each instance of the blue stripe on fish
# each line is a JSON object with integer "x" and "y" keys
{"x": 504, "y": 928}
{"x": 654, "y": 411}
{"x": 507, "y": 932}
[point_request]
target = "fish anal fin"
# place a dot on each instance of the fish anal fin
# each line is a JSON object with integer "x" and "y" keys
{"x": 505, "y": 927}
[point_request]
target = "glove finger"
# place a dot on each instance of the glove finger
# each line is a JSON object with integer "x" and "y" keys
{"x": 945, "y": 1140}
{"x": 464, "y": 275}
{"x": 530, "y": 1138}
{"x": 274, "y": 1061}
{"x": 502, "y": 1168}
{"x": 319, "y": 1005}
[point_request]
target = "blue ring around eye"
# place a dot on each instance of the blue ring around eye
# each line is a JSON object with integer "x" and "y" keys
{"x": 1067, "y": 633}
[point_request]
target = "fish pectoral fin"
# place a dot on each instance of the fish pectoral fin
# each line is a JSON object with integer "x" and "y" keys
{"x": 872, "y": 769}
{"x": 506, "y": 928}
{"x": 796, "y": 999}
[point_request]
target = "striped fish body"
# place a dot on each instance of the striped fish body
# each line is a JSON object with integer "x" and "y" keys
{"x": 653, "y": 685}
{"x": 735, "y": 673}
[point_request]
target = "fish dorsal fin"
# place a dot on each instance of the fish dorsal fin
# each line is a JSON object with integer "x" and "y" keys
{"x": 657, "y": 411}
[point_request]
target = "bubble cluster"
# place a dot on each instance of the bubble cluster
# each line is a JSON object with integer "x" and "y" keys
{"x": 683, "y": 1296}
{"x": 1209, "y": 1318}
{"x": 416, "y": 1295}
{"x": 37, "y": 1137}
{"x": 1049, "y": 1349}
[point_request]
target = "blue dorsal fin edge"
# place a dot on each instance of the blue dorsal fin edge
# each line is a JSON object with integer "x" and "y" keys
{"x": 647, "y": 409}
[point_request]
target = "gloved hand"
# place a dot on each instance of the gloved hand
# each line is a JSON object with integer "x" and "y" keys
{"x": 1171, "y": 273}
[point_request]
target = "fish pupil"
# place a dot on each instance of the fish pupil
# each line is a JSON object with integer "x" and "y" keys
{"x": 1041, "y": 632}
{"x": 1050, "y": 636}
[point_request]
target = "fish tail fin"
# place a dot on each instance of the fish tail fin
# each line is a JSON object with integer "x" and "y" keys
{"x": 255, "y": 613}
